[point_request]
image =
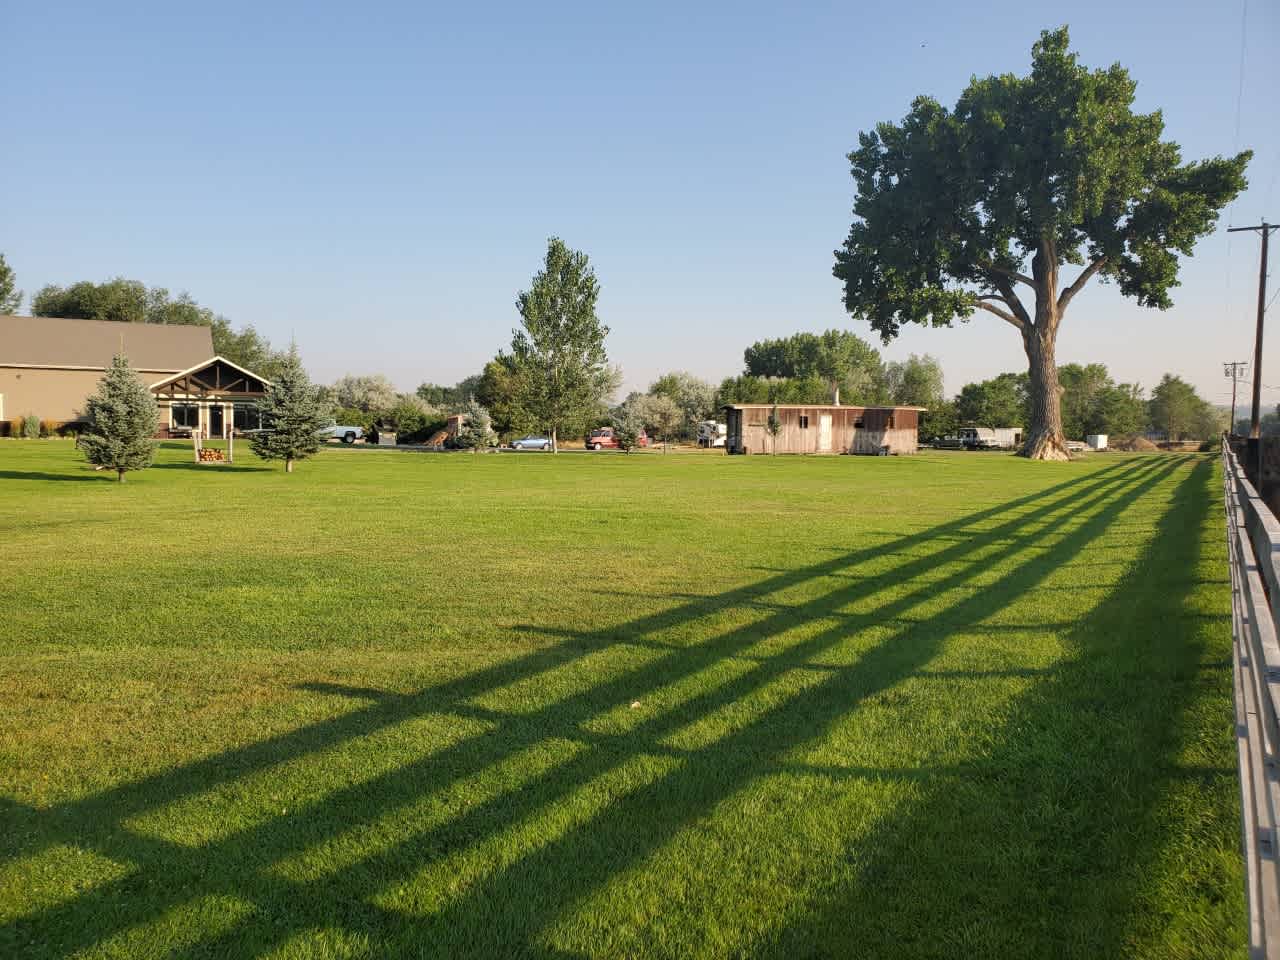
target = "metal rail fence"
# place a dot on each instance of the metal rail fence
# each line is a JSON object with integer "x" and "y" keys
{"x": 1253, "y": 545}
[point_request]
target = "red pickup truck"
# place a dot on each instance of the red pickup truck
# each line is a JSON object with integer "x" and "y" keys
{"x": 604, "y": 439}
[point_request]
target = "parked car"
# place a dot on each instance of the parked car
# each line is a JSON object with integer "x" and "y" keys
{"x": 606, "y": 439}
{"x": 531, "y": 443}
{"x": 347, "y": 434}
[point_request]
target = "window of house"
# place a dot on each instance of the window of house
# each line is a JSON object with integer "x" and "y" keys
{"x": 858, "y": 424}
{"x": 246, "y": 416}
{"x": 185, "y": 415}
{"x": 804, "y": 422}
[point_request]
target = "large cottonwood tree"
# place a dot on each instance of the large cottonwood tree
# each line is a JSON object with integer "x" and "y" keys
{"x": 983, "y": 206}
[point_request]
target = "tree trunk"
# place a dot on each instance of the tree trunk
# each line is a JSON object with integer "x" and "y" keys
{"x": 288, "y": 465}
{"x": 555, "y": 444}
{"x": 119, "y": 476}
{"x": 1044, "y": 440}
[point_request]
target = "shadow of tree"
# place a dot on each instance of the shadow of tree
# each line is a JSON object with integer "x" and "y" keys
{"x": 40, "y": 475}
{"x": 609, "y": 786}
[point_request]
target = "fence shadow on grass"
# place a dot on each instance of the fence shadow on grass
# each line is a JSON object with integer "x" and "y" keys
{"x": 530, "y": 807}
{"x": 1106, "y": 724}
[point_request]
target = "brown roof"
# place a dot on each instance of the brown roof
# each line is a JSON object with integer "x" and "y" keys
{"x": 91, "y": 344}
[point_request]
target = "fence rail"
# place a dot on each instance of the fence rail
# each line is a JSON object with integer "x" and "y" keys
{"x": 1253, "y": 545}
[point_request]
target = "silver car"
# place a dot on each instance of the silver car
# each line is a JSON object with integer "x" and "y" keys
{"x": 531, "y": 443}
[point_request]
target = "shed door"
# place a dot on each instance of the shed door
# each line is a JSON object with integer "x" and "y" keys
{"x": 824, "y": 433}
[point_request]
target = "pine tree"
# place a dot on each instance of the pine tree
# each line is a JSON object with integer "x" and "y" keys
{"x": 122, "y": 421}
{"x": 476, "y": 429}
{"x": 294, "y": 415}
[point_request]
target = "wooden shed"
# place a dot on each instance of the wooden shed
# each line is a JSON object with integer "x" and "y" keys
{"x": 814, "y": 428}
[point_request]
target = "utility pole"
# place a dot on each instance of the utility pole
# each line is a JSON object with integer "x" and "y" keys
{"x": 1265, "y": 229}
{"x": 1255, "y": 438}
{"x": 1234, "y": 370}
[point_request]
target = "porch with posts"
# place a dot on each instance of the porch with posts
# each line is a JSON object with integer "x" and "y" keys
{"x": 215, "y": 400}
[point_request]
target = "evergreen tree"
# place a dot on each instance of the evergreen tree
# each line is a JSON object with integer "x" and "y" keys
{"x": 476, "y": 429}
{"x": 122, "y": 421}
{"x": 293, "y": 416}
{"x": 10, "y": 295}
{"x": 628, "y": 424}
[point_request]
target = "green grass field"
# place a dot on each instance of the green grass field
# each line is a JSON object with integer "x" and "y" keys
{"x": 403, "y": 705}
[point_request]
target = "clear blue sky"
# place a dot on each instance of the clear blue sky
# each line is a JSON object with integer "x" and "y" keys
{"x": 379, "y": 180}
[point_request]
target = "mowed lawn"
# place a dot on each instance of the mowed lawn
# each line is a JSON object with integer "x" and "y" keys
{"x": 401, "y": 705}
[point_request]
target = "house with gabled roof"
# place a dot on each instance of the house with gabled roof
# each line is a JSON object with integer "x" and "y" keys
{"x": 49, "y": 366}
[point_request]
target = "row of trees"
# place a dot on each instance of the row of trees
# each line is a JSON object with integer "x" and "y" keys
{"x": 1091, "y": 402}
{"x": 131, "y": 301}
{"x": 832, "y": 367}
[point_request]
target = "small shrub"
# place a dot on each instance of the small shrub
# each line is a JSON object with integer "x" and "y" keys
{"x": 49, "y": 428}
{"x": 31, "y": 427}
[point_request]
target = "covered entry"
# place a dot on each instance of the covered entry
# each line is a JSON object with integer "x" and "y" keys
{"x": 212, "y": 399}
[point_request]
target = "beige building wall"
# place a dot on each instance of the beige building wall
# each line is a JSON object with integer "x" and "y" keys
{"x": 49, "y": 394}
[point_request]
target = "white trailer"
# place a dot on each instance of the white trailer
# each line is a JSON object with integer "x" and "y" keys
{"x": 711, "y": 433}
{"x": 985, "y": 438}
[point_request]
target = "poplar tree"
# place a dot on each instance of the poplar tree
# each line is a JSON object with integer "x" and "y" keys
{"x": 294, "y": 415}
{"x": 559, "y": 351}
{"x": 122, "y": 421}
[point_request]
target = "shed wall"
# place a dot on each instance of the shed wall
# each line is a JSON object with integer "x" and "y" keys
{"x": 823, "y": 429}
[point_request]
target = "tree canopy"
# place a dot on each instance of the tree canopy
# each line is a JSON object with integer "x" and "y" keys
{"x": 1055, "y": 169}
{"x": 998, "y": 402}
{"x": 294, "y": 415}
{"x": 10, "y": 295}
{"x": 696, "y": 399}
{"x": 914, "y": 382}
{"x": 121, "y": 416}
{"x": 559, "y": 347}
{"x": 840, "y": 359}
{"x": 131, "y": 301}
{"x": 1180, "y": 413}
